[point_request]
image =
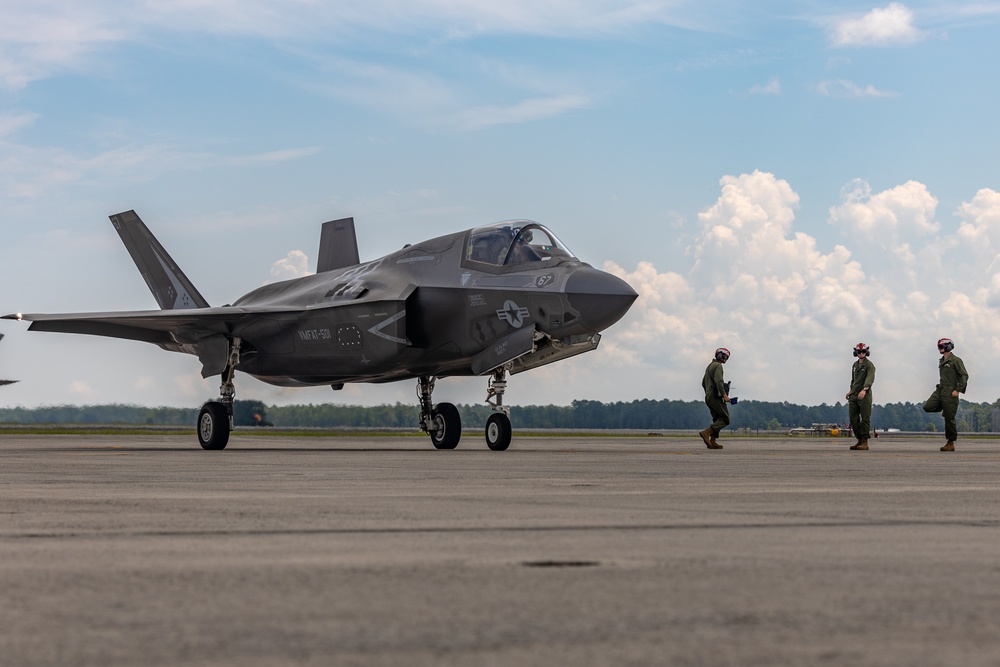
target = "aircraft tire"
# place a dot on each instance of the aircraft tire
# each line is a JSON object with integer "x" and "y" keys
{"x": 498, "y": 432}
{"x": 213, "y": 426}
{"x": 449, "y": 424}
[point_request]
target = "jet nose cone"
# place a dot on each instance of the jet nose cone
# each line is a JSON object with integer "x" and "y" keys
{"x": 600, "y": 298}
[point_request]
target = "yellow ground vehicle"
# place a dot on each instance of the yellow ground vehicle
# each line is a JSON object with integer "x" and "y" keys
{"x": 819, "y": 429}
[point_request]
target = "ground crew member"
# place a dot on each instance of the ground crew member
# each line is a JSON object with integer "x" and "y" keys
{"x": 859, "y": 398}
{"x": 953, "y": 380}
{"x": 716, "y": 398}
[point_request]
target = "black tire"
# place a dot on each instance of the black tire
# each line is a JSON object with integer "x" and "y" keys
{"x": 498, "y": 432}
{"x": 449, "y": 424}
{"x": 213, "y": 426}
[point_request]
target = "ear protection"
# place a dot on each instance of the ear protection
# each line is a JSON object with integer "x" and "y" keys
{"x": 946, "y": 345}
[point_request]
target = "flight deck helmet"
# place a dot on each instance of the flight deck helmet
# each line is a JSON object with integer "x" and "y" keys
{"x": 945, "y": 345}
{"x": 861, "y": 347}
{"x": 721, "y": 354}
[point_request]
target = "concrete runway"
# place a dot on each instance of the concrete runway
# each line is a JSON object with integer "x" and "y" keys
{"x": 119, "y": 550}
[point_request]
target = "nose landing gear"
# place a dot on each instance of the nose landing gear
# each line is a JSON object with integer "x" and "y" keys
{"x": 498, "y": 429}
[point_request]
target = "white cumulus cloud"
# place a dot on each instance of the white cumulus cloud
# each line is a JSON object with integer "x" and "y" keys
{"x": 882, "y": 26}
{"x": 790, "y": 310}
{"x": 293, "y": 265}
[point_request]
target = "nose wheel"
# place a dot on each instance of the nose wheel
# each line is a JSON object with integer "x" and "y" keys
{"x": 498, "y": 432}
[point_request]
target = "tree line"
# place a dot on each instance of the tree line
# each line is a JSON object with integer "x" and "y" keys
{"x": 648, "y": 414}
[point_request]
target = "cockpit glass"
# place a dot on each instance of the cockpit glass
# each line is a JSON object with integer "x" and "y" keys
{"x": 515, "y": 242}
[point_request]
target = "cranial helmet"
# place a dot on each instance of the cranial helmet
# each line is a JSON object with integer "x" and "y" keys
{"x": 861, "y": 347}
{"x": 721, "y": 354}
{"x": 945, "y": 345}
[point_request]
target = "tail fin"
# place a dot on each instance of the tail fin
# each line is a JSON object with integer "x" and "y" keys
{"x": 169, "y": 285}
{"x": 338, "y": 245}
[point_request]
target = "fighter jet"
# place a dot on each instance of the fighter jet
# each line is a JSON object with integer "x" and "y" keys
{"x": 4, "y": 383}
{"x": 489, "y": 301}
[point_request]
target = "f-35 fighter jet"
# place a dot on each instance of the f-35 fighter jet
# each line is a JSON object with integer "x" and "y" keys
{"x": 489, "y": 301}
{"x": 4, "y": 383}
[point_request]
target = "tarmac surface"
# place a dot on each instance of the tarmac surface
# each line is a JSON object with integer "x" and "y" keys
{"x": 128, "y": 550}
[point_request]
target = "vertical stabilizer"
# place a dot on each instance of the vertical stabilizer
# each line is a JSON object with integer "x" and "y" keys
{"x": 338, "y": 245}
{"x": 165, "y": 280}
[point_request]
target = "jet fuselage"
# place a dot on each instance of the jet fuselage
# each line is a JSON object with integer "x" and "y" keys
{"x": 428, "y": 309}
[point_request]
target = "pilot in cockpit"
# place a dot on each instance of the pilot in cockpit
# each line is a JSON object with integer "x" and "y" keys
{"x": 521, "y": 250}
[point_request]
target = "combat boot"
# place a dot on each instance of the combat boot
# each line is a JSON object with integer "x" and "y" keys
{"x": 705, "y": 435}
{"x": 714, "y": 444}
{"x": 949, "y": 446}
{"x": 862, "y": 445}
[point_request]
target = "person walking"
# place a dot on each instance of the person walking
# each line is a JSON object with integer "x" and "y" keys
{"x": 716, "y": 398}
{"x": 859, "y": 397}
{"x": 953, "y": 380}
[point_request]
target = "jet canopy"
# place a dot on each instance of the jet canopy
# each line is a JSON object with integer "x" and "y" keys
{"x": 514, "y": 242}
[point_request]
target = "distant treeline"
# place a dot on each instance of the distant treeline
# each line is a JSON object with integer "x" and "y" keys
{"x": 643, "y": 414}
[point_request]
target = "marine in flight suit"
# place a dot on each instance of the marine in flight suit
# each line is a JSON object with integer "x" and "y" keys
{"x": 859, "y": 398}
{"x": 953, "y": 380}
{"x": 716, "y": 398}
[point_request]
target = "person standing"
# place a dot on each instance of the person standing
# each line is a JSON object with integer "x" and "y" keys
{"x": 716, "y": 398}
{"x": 953, "y": 379}
{"x": 859, "y": 398}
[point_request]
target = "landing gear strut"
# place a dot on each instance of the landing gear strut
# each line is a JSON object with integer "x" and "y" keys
{"x": 498, "y": 429}
{"x": 215, "y": 420}
{"x": 442, "y": 421}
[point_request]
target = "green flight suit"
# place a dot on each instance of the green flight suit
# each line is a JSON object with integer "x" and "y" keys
{"x": 859, "y": 410}
{"x": 715, "y": 388}
{"x": 953, "y": 377}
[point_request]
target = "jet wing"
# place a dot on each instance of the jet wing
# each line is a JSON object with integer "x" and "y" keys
{"x": 160, "y": 327}
{"x": 204, "y": 332}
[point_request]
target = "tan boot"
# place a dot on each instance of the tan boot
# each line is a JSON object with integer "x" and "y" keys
{"x": 862, "y": 445}
{"x": 714, "y": 444}
{"x": 949, "y": 446}
{"x": 705, "y": 435}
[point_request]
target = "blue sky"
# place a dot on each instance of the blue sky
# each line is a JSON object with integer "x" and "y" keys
{"x": 781, "y": 178}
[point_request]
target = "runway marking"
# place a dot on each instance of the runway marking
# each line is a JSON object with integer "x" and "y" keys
{"x": 105, "y": 535}
{"x": 561, "y": 563}
{"x": 639, "y": 450}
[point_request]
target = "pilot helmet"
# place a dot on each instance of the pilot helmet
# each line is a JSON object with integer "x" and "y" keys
{"x": 721, "y": 354}
{"x": 946, "y": 345}
{"x": 861, "y": 347}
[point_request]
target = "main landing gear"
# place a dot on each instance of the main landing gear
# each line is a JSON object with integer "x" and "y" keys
{"x": 443, "y": 423}
{"x": 215, "y": 420}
